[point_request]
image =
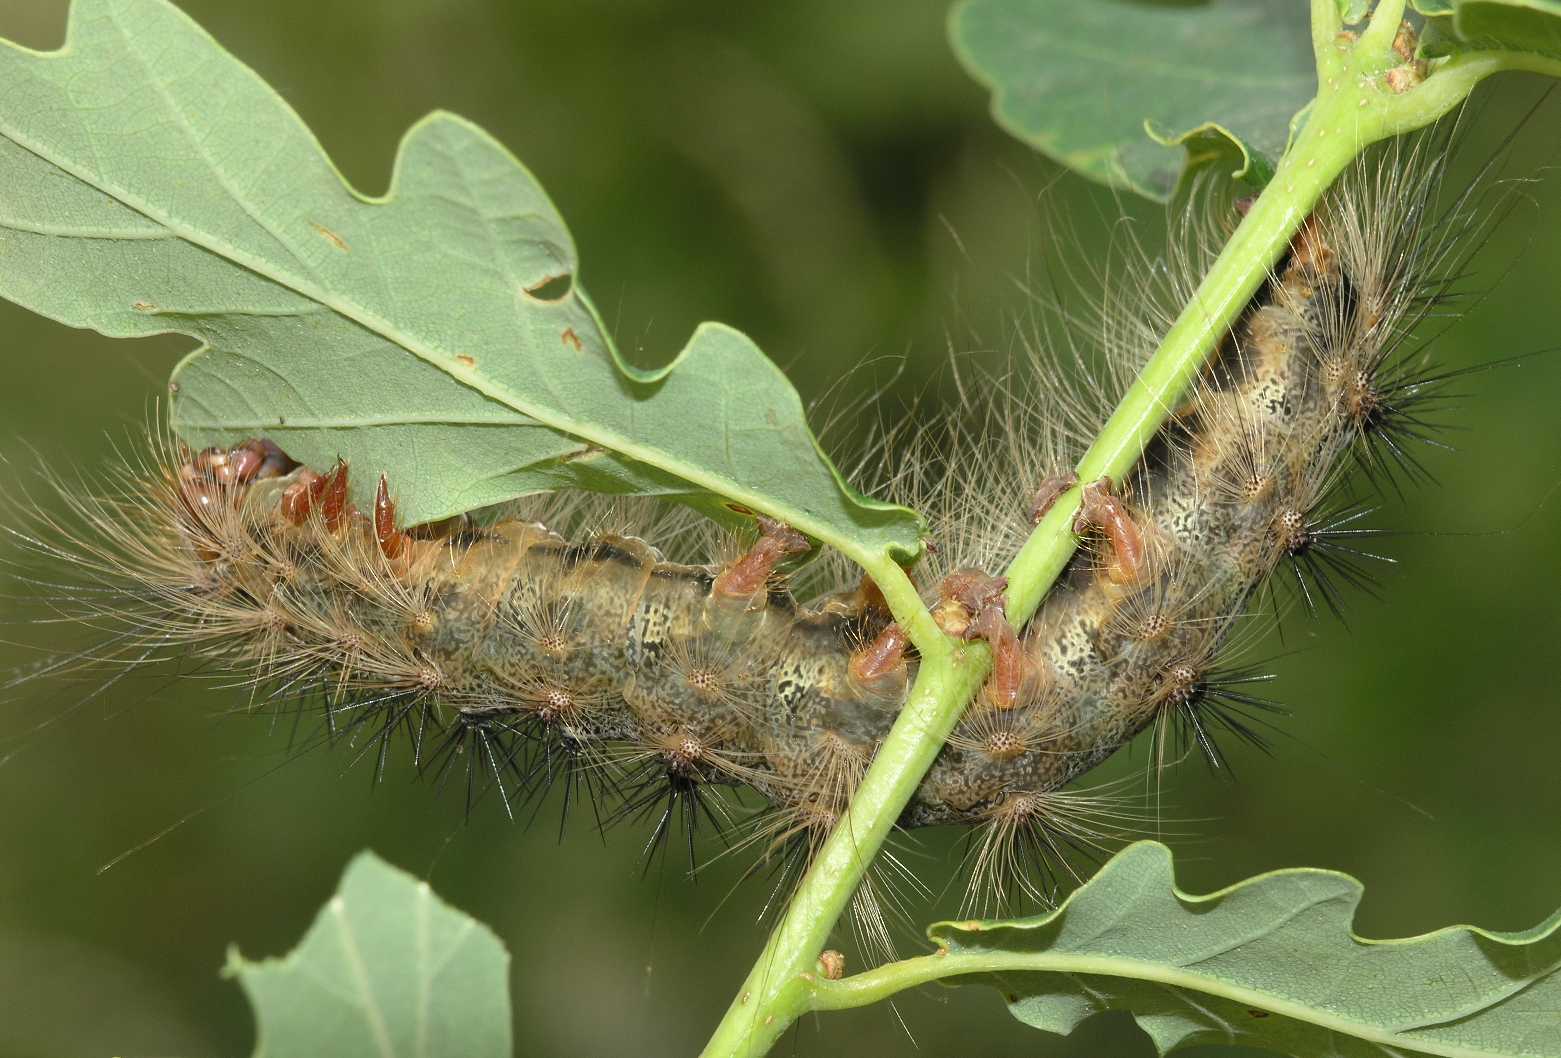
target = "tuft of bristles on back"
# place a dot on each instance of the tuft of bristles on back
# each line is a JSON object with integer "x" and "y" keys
{"x": 552, "y": 644}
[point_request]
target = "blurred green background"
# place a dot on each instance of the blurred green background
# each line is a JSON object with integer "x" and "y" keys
{"x": 823, "y": 176}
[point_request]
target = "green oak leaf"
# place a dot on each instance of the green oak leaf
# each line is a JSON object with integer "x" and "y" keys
{"x": 1459, "y": 26}
{"x": 1270, "y": 962}
{"x": 1129, "y": 92}
{"x": 152, "y": 183}
{"x": 388, "y": 969}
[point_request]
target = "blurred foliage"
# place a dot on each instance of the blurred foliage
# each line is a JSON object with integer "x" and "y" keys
{"x": 823, "y": 176}
{"x": 386, "y": 967}
{"x": 1150, "y": 88}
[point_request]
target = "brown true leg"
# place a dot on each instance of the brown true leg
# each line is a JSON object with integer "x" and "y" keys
{"x": 201, "y": 496}
{"x": 197, "y": 483}
{"x": 392, "y": 542}
{"x": 274, "y": 463}
{"x": 247, "y": 461}
{"x": 1051, "y": 487}
{"x": 218, "y": 477}
{"x": 869, "y": 597}
{"x": 751, "y": 573}
{"x": 962, "y": 596}
{"x": 255, "y": 460}
{"x": 219, "y": 474}
{"x": 1309, "y": 251}
{"x": 326, "y": 493}
{"x": 972, "y": 607}
{"x": 880, "y": 663}
{"x": 1102, "y": 510}
{"x": 1008, "y": 661}
{"x": 299, "y": 498}
{"x": 333, "y": 498}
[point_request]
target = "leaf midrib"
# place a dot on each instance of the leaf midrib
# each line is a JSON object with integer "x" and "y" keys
{"x": 373, "y": 1016}
{"x": 956, "y": 963}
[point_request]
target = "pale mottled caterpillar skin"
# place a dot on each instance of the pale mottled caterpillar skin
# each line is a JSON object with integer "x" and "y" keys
{"x": 532, "y": 653}
{"x": 1220, "y": 500}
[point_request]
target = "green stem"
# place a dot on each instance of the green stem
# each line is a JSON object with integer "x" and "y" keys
{"x": 1376, "y": 40}
{"x": 903, "y": 599}
{"x": 776, "y": 989}
{"x": 1354, "y": 108}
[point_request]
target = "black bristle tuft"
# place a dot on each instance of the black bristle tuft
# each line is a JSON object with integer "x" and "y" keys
{"x": 671, "y": 796}
{"x": 1217, "y": 703}
{"x": 1325, "y": 556}
{"x": 488, "y": 748}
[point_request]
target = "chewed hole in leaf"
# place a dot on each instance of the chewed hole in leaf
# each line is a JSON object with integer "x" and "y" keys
{"x": 553, "y": 288}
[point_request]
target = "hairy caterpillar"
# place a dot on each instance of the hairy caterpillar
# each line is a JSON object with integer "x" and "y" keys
{"x": 525, "y": 656}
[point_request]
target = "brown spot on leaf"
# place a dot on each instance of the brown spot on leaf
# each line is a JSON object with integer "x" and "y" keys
{"x": 465, "y": 361}
{"x": 571, "y": 338}
{"x": 330, "y": 236}
{"x": 143, "y": 306}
